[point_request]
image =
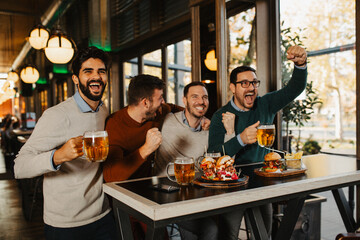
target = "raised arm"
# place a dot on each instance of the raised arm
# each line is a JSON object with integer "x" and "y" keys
{"x": 295, "y": 86}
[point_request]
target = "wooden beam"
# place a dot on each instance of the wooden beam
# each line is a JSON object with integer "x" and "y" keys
{"x": 357, "y": 22}
{"x": 164, "y": 68}
{"x": 221, "y": 52}
{"x": 269, "y": 53}
{"x": 195, "y": 44}
{"x": 140, "y": 64}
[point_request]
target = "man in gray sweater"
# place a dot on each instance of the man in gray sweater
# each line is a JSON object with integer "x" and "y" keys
{"x": 184, "y": 134}
{"x": 75, "y": 206}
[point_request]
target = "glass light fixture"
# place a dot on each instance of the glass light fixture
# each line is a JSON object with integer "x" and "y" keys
{"x": 29, "y": 74}
{"x": 208, "y": 81}
{"x": 12, "y": 76}
{"x": 211, "y": 61}
{"x": 39, "y": 37}
{"x": 59, "y": 48}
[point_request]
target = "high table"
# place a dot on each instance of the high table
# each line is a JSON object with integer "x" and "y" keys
{"x": 158, "y": 209}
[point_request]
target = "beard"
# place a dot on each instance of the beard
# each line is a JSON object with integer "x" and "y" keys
{"x": 85, "y": 89}
{"x": 151, "y": 113}
{"x": 194, "y": 113}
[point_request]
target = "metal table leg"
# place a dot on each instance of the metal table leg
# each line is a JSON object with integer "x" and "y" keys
{"x": 123, "y": 222}
{"x": 345, "y": 211}
{"x": 291, "y": 215}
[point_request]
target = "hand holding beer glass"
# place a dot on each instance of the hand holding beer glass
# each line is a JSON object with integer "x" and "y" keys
{"x": 96, "y": 145}
{"x": 266, "y": 135}
{"x": 184, "y": 169}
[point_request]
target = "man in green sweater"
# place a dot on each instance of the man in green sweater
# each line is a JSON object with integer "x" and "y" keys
{"x": 250, "y": 110}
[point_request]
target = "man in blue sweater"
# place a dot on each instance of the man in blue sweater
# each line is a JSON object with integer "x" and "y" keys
{"x": 249, "y": 110}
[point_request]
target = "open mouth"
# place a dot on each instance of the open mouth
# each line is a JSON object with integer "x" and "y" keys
{"x": 95, "y": 86}
{"x": 249, "y": 97}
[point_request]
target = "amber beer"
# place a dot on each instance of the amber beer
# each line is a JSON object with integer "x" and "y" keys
{"x": 266, "y": 135}
{"x": 184, "y": 169}
{"x": 96, "y": 145}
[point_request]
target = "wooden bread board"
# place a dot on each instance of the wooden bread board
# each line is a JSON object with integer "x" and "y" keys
{"x": 222, "y": 184}
{"x": 281, "y": 174}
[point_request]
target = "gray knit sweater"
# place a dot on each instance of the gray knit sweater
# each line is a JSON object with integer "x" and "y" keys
{"x": 73, "y": 194}
{"x": 178, "y": 141}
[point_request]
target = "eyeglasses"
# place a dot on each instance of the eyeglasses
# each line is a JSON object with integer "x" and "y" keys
{"x": 246, "y": 83}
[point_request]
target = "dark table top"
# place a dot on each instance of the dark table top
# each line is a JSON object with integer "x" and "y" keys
{"x": 322, "y": 174}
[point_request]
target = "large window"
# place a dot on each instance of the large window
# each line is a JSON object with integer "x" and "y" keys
{"x": 328, "y": 34}
{"x": 178, "y": 73}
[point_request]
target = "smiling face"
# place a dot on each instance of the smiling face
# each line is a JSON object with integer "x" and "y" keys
{"x": 244, "y": 98}
{"x": 154, "y": 104}
{"x": 92, "y": 79}
{"x": 196, "y": 101}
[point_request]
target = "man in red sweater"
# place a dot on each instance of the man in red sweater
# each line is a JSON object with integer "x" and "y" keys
{"x": 134, "y": 130}
{"x": 134, "y": 135}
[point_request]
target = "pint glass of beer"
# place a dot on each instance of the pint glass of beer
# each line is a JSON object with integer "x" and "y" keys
{"x": 266, "y": 135}
{"x": 184, "y": 169}
{"x": 96, "y": 145}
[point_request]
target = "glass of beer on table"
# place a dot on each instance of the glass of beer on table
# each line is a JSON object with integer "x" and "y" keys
{"x": 96, "y": 145}
{"x": 184, "y": 169}
{"x": 266, "y": 135}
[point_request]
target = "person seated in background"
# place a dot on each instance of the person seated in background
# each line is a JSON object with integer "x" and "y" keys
{"x": 250, "y": 110}
{"x": 185, "y": 134}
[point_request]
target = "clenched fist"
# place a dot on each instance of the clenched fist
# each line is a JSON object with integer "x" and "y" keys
{"x": 69, "y": 151}
{"x": 228, "y": 119}
{"x": 205, "y": 123}
{"x": 298, "y": 55}
{"x": 248, "y": 136}
{"x": 152, "y": 142}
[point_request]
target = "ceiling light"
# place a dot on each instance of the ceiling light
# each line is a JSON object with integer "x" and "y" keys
{"x": 29, "y": 74}
{"x": 39, "y": 37}
{"x": 12, "y": 76}
{"x": 211, "y": 61}
{"x": 59, "y": 48}
{"x": 208, "y": 81}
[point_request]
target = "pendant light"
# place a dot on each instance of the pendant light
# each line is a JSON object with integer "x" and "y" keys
{"x": 211, "y": 61}
{"x": 12, "y": 76}
{"x": 29, "y": 74}
{"x": 39, "y": 37}
{"x": 59, "y": 48}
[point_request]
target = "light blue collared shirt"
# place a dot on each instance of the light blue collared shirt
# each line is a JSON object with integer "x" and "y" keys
{"x": 84, "y": 107}
{"x": 185, "y": 121}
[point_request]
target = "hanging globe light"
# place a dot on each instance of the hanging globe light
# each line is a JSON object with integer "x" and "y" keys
{"x": 39, "y": 37}
{"x": 12, "y": 76}
{"x": 29, "y": 74}
{"x": 59, "y": 48}
{"x": 211, "y": 61}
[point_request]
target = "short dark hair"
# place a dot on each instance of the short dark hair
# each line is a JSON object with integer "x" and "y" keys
{"x": 86, "y": 53}
{"x": 143, "y": 86}
{"x": 192, "y": 84}
{"x": 236, "y": 71}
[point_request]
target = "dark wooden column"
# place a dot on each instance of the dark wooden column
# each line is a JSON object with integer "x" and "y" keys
{"x": 357, "y": 22}
{"x": 268, "y": 51}
{"x": 164, "y": 68}
{"x": 221, "y": 53}
{"x": 195, "y": 44}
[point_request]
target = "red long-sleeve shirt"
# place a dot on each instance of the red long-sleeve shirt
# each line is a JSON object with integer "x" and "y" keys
{"x": 126, "y": 136}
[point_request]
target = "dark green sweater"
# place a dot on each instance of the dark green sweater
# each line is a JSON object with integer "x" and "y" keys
{"x": 264, "y": 110}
